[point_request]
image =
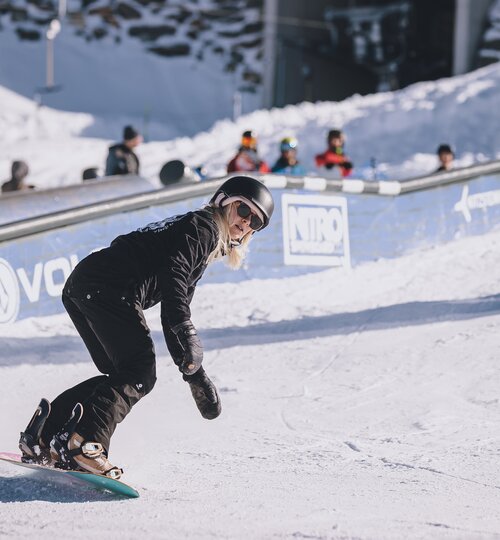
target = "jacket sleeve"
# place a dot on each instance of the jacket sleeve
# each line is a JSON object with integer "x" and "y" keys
{"x": 330, "y": 159}
{"x": 184, "y": 264}
{"x": 111, "y": 163}
{"x": 320, "y": 160}
{"x": 116, "y": 162}
{"x": 264, "y": 167}
{"x": 231, "y": 166}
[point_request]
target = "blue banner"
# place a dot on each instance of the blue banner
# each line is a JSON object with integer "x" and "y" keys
{"x": 33, "y": 269}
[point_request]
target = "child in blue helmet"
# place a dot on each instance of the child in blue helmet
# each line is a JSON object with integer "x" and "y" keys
{"x": 288, "y": 163}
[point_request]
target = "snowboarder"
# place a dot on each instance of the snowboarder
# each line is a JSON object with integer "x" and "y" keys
{"x": 105, "y": 297}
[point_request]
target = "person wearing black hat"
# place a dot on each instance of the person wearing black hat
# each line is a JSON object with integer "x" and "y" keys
{"x": 121, "y": 157}
{"x": 247, "y": 158}
{"x": 446, "y": 156}
{"x": 19, "y": 172}
{"x": 334, "y": 156}
{"x": 105, "y": 297}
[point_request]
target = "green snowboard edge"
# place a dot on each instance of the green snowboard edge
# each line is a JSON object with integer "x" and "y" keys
{"x": 100, "y": 482}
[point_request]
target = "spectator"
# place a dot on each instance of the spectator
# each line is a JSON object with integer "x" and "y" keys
{"x": 446, "y": 156}
{"x": 288, "y": 163}
{"x": 19, "y": 172}
{"x": 121, "y": 157}
{"x": 334, "y": 155}
{"x": 247, "y": 159}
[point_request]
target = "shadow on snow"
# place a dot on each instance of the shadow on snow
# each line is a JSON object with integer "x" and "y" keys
{"x": 70, "y": 349}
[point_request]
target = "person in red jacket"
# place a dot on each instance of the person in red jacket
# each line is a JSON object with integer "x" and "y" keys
{"x": 334, "y": 155}
{"x": 247, "y": 159}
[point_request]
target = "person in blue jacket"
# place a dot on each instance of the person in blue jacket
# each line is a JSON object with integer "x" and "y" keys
{"x": 288, "y": 163}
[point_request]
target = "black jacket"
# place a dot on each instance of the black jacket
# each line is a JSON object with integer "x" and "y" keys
{"x": 121, "y": 160}
{"x": 19, "y": 173}
{"x": 161, "y": 262}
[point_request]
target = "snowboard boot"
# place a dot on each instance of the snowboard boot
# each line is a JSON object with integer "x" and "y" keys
{"x": 32, "y": 448}
{"x": 75, "y": 453}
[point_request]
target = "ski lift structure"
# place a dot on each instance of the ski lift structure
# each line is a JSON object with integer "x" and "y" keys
{"x": 363, "y": 28}
{"x": 52, "y": 31}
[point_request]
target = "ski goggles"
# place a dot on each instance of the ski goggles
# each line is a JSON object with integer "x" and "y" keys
{"x": 244, "y": 211}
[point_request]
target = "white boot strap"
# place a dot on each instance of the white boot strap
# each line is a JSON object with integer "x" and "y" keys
{"x": 92, "y": 450}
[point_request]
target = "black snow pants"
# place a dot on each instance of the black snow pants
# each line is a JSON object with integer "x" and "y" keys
{"x": 119, "y": 341}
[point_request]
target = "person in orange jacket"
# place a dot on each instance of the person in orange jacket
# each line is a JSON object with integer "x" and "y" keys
{"x": 334, "y": 155}
{"x": 247, "y": 159}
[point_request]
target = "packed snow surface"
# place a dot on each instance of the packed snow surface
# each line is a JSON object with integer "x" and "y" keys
{"x": 356, "y": 404}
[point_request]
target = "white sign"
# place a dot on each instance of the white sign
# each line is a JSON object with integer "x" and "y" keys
{"x": 476, "y": 201}
{"x": 49, "y": 276}
{"x": 315, "y": 230}
{"x": 9, "y": 293}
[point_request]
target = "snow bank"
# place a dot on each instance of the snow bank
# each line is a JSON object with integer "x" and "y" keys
{"x": 401, "y": 130}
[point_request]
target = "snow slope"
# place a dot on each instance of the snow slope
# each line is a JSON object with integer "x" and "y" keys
{"x": 400, "y": 129}
{"x": 356, "y": 404}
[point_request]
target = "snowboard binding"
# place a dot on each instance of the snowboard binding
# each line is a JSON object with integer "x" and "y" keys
{"x": 74, "y": 453}
{"x": 32, "y": 448}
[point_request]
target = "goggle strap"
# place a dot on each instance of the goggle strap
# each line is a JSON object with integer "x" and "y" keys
{"x": 219, "y": 199}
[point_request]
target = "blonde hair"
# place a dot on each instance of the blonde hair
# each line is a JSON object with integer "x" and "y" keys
{"x": 234, "y": 254}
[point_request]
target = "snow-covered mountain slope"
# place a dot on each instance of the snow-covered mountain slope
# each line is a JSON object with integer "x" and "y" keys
{"x": 155, "y": 63}
{"x": 400, "y": 129}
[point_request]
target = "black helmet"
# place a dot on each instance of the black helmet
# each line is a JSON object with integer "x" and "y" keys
{"x": 248, "y": 188}
{"x": 445, "y": 149}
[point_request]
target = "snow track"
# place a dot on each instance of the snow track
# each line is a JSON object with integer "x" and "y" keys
{"x": 356, "y": 404}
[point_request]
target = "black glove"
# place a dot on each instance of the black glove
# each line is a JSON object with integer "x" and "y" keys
{"x": 204, "y": 393}
{"x": 347, "y": 165}
{"x": 190, "y": 353}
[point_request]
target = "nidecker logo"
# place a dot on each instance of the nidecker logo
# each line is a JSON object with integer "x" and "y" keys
{"x": 10, "y": 297}
{"x": 315, "y": 230}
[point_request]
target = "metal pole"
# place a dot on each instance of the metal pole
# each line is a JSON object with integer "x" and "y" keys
{"x": 270, "y": 19}
{"x": 61, "y": 12}
{"x": 52, "y": 31}
{"x": 237, "y": 105}
{"x": 49, "y": 82}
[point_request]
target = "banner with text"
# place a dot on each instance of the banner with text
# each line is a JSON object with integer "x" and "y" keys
{"x": 315, "y": 230}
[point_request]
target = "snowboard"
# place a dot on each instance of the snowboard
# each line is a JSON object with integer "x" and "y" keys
{"x": 74, "y": 477}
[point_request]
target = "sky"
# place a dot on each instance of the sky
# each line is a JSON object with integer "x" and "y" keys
{"x": 357, "y": 403}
